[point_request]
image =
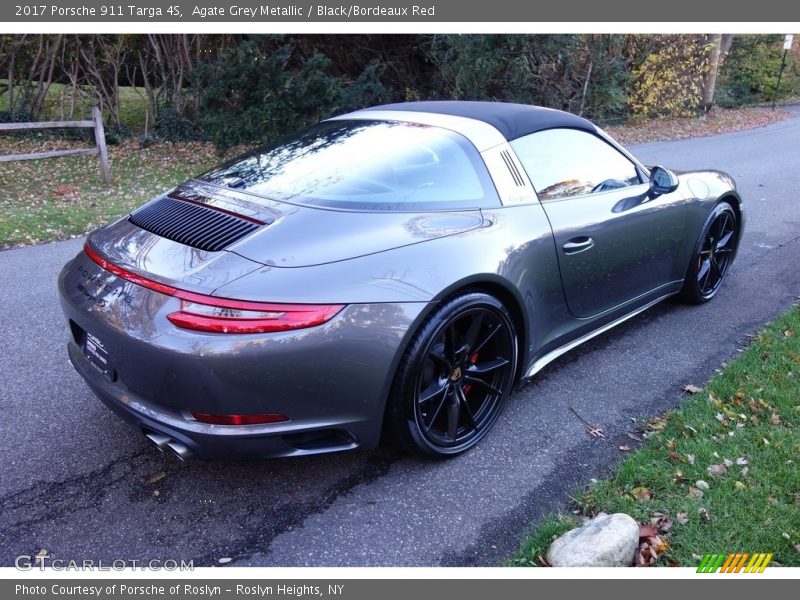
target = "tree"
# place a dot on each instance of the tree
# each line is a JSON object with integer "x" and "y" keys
{"x": 720, "y": 45}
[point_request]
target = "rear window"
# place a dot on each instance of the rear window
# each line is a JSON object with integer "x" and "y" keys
{"x": 366, "y": 165}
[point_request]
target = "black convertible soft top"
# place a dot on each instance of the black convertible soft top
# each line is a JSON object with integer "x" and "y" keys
{"x": 512, "y": 120}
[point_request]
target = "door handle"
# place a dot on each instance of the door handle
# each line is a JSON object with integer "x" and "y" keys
{"x": 578, "y": 244}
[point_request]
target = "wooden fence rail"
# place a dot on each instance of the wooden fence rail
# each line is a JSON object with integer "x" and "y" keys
{"x": 95, "y": 123}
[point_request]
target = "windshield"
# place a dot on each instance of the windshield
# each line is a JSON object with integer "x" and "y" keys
{"x": 366, "y": 165}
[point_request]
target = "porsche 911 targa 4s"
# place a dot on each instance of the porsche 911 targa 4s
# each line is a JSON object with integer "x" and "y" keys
{"x": 396, "y": 269}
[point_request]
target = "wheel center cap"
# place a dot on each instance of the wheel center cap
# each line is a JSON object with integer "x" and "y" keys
{"x": 456, "y": 374}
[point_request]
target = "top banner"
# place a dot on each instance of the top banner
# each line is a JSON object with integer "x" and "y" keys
{"x": 397, "y": 11}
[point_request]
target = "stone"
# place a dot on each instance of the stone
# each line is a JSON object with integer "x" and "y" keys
{"x": 605, "y": 541}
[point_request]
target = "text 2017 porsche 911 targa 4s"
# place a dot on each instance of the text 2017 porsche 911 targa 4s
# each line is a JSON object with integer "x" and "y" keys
{"x": 396, "y": 269}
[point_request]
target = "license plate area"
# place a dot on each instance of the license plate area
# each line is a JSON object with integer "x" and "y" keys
{"x": 96, "y": 353}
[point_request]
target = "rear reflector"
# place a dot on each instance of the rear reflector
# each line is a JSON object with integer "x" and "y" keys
{"x": 239, "y": 419}
{"x": 200, "y": 312}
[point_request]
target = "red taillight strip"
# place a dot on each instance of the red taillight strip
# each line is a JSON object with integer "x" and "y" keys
{"x": 297, "y": 316}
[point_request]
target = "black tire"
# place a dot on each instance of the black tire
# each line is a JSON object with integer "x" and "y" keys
{"x": 713, "y": 254}
{"x": 454, "y": 378}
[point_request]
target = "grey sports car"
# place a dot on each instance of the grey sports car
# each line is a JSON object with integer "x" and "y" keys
{"x": 396, "y": 269}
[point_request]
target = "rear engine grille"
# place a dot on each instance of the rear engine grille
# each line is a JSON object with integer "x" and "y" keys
{"x": 192, "y": 224}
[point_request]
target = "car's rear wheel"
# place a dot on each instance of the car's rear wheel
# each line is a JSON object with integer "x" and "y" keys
{"x": 713, "y": 255}
{"x": 455, "y": 376}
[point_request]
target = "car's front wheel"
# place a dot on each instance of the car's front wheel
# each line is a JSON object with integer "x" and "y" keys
{"x": 455, "y": 376}
{"x": 713, "y": 255}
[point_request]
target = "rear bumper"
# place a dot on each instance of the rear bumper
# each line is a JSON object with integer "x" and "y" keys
{"x": 331, "y": 381}
{"x": 221, "y": 442}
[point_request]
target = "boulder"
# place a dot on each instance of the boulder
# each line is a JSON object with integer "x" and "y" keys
{"x": 605, "y": 541}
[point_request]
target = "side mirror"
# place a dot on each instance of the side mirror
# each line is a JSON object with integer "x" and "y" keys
{"x": 662, "y": 181}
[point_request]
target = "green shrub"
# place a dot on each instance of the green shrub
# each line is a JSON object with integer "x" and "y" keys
{"x": 257, "y": 92}
{"x": 750, "y": 71}
{"x": 172, "y": 128}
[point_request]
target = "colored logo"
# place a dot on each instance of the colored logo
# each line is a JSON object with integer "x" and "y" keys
{"x": 734, "y": 563}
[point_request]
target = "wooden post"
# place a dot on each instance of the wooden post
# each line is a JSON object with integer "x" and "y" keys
{"x": 100, "y": 140}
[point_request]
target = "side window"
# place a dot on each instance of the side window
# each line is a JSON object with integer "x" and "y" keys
{"x": 570, "y": 162}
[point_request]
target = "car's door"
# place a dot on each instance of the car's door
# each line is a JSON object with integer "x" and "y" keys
{"x": 615, "y": 241}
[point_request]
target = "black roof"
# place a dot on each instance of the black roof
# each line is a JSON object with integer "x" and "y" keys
{"x": 512, "y": 120}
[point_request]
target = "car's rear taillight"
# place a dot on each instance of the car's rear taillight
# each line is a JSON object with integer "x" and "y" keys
{"x": 239, "y": 419}
{"x": 226, "y": 315}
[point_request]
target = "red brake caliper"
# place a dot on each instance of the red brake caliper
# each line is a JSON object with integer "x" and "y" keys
{"x": 473, "y": 359}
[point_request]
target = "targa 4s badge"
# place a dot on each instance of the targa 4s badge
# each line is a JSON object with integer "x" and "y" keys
{"x": 734, "y": 563}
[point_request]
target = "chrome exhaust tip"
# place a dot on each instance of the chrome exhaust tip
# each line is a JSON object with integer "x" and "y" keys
{"x": 180, "y": 450}
{"x": 159, "y": 439}
{"x": 164, "y": 443}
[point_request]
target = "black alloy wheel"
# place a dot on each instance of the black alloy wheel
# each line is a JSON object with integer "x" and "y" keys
{"x": 456, "y": 376}
{"x": 713, "y": 255}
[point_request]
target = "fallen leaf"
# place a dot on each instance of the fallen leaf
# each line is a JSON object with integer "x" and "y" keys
{"x": 745, "y": 471}
{"x": 775, "y": 419}
{"x": 695, "y": 493}
{"x": 741, "y": 461}
{"x": 542, "y": 561}
{"x": 718, "y": 470}
{"x": 65, "y": 189}
{"x": 704, "y": 513}
{"x": 595, "y": 432}
{"x": 624, "y": 448}
{"x": 797, "y": 547}
{"x": 657, "y": 423}
{"x": 690, "y": 458}
{"x": 682, "y": 518}
{"x": 728, "y": 463}
{"x": 665, "y": 524}
{"x": 786, "y": 535}
{"x": 788, "y": 333}
{"x": 690, "y": 388}
{"x": 647, "y": 531}
{"x": 155, "y": 477}
{"x": 641, "y": 493}
{"x": 650, "y": 549}
{"x": 701, "y": 484}
{"x": 766, "y": 441}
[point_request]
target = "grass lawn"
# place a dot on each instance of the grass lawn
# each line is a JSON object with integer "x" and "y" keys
{"x": 724, "y": 468}
{"x": 51, "y": 199}
{"x": 59, "y": 99}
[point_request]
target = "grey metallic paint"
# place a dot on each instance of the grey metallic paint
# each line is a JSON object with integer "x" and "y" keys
{"x": 391, "y": 270}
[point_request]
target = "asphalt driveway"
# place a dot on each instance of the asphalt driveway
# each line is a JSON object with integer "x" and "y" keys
{"x": 78, "y": 482}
